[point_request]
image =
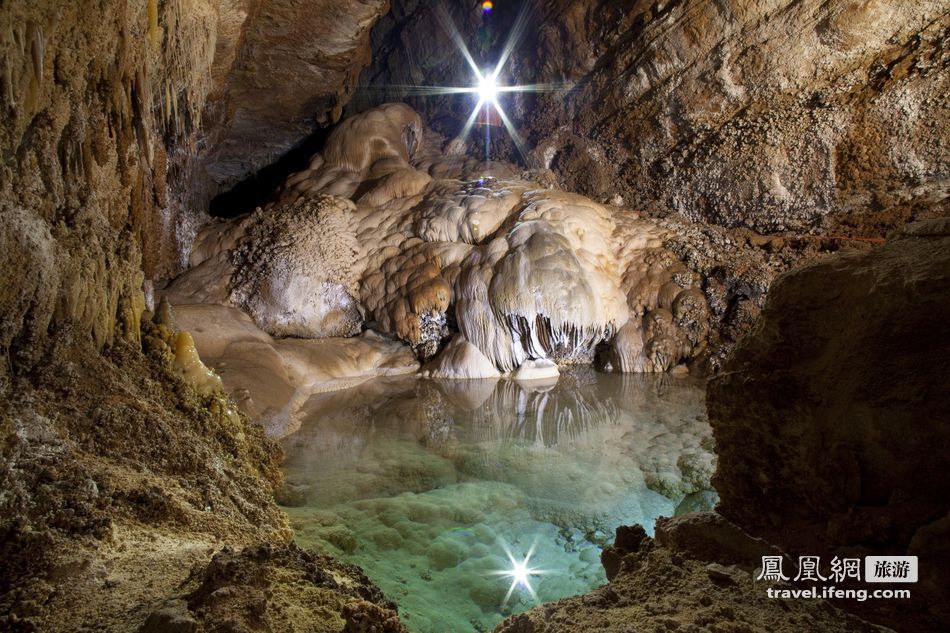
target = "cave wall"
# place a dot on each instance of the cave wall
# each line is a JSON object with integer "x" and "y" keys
{"x": 831, "y": 418}
{"x": 769, "y": 115}
{"x": 86, "y": 139}
{"x": 119, "y": 123}
{"x": 285, "y": 69}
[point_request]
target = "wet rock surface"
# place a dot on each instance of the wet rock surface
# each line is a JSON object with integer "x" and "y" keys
{"x": 524, "y": 273}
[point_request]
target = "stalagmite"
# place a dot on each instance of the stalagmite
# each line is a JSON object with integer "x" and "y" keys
{"x": 195, "y": 372}
{"x": 460, "y": 359}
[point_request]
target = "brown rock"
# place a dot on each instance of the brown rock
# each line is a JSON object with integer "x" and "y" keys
{"x": 769, "y": 115}
{"x": 830, "y": 415}
{"x": 629, "y": 539}
{"x": 708, "y": 536}
{"x": 290, "y": 67}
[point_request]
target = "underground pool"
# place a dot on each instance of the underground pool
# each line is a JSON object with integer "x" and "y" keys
{"x": 467, "y": 501}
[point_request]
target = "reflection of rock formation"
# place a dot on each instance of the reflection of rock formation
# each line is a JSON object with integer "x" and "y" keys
{"x": 523, "y": 273}
{"x": 833, "y": 412}
{"x": 630, "y": 433}
{"x": 271, "y": 379}
{"x": 544, "y": 416}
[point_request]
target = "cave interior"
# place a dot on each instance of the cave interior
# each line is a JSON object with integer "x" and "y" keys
{"x": 521, "y": 316}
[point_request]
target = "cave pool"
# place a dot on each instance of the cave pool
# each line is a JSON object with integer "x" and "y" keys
{"x": 430, "y": 485}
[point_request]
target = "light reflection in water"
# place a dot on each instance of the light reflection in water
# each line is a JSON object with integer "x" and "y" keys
{"x": 425, "y": 484}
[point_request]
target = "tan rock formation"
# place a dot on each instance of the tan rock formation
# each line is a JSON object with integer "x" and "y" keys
{"x": 92, "y": 102}
{"x": 118, "y": 478}
{"x": 110, "y": 150}
{"x": 281, "y": 69}
{"x": 525, "y": 273}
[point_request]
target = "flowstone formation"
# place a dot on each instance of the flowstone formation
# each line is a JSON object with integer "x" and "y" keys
{"x": 479, "y": 269}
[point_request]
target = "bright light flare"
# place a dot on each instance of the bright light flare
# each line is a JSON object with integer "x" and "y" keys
{"x": 488, "y": 88}
{"x": 485, "y": 86}
{"x": 520, "y": 573}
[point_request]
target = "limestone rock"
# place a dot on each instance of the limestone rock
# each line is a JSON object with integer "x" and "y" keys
{"x": 281, "y": 69}
{"x": 708, "y": 536}
{"x": 524, "y": 274}
{"x": 296, "y": 270}
{"x": 460, "y": 359}
{"x": 773, "y": 115}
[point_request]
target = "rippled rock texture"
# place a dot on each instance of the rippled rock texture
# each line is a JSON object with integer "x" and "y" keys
{"x": 770, "y": 115}
{"x": 831, "y": 417}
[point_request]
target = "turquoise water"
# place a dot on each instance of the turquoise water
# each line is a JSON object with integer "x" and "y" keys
{"x": 436, "y": 489}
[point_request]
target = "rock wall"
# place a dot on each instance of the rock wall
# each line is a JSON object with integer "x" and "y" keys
{"x": 88, "y": 141}
{"x": 123, "y": 468}
{"x": 120, "y": 121}
{"x": 831, "y": 417}
{"x": 282, "y": 69}
{"x": 769, "y": 115}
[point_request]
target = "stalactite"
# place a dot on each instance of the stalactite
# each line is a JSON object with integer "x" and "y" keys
{"x": 8, "y": 89}
{"x": 37, "y": 50}
{"x": 153, "y": 32}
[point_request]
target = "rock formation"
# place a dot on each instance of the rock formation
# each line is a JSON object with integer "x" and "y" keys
{"x": 786, "y": 118}
{"x": 119, "y": 125}
{"x": 690, "y": 153}
{"x": 124, "y": 467}
{"x": 673, "y": 583}
{"x": 826, "y": 420}
{"x": 558, "y": 273}
{"x": 771, "y": 115}
{"x": 281, "y": 69}
{"x": 830, "y": 413}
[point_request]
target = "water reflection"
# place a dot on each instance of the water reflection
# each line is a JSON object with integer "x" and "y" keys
{"x": 422, "y": 482}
